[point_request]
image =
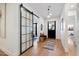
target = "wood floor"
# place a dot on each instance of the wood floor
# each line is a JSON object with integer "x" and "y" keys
{"x": 38, "y": 50}
{"x": 2, "y": 53}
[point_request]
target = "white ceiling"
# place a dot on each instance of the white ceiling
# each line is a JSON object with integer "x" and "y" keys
{"x": 42, "y": 8}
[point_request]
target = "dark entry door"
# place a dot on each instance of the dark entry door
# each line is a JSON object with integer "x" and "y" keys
{"x": 52, "y": 29}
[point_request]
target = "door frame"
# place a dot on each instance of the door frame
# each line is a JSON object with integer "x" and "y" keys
{"x": 35, "y": 28}
{"x": 48, "y": 27}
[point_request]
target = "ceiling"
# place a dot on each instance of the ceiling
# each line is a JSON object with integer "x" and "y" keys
{"x": 42, "y": 9}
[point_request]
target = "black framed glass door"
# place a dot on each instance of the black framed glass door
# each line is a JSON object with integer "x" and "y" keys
{"x": 52, "y": 29}
{"x": 26, "y": 31}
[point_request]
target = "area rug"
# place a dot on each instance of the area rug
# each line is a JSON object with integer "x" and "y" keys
{"x": 49, "y": 45}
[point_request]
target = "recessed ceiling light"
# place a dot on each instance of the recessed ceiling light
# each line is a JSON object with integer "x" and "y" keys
{"x": 72, "y": 6}
{"x": 48, "y": 16}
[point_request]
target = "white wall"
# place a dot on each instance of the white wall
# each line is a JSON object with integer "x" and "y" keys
{"x": 77, "y": 30}
{"x": 11, "y": 44}
{"x": 63, "y": 35}
{"x": 2, "y": 22}
{"x": 63, "y": 40}
{"x": 69, "y": 17}
{"x": 39, "y": 22}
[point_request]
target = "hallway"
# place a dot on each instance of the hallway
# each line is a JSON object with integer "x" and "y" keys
{"x": 23, "y": 25}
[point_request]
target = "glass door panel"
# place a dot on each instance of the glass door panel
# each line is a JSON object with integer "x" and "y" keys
{"x": 23, "y": 21}
{"x": 31, "y": 17}
{"x": 26, "y": 30}
{"x": 30, "y": 30}
{"x": 28, "y": 15}
{"x": 24, "y": 38}
{"x": 28, "y": 44}
{"x": 30, "y": 36}
{"x": 27, "y": 37}
{"x": 24, "y": 47}
{"x": 28, "y": 22}
{"x": 24, "y": 14}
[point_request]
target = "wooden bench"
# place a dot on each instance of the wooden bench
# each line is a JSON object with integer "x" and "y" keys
{"x": 42, "y": 37}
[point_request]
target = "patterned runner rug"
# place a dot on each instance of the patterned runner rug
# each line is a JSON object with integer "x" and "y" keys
{"x": 49, "y": 45}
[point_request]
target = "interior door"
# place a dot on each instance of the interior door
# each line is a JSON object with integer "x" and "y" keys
{"x": 26, "y": 40}
{"x": 52, "y": 29}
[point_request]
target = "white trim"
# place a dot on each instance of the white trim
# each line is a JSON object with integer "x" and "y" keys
{"x": 9, "y": 53}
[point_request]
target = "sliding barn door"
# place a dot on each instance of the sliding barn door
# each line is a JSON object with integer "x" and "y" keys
{"x": 26, "y": 18}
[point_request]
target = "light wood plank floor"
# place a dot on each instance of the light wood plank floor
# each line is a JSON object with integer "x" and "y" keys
{"x": 2, "y": 53}
{"x": 38, "y": 50}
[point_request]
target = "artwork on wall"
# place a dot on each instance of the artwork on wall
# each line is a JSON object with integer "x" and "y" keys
{"x": 3, "y": 20}
{"x": 62, "y": 24}
{"x": 41, "y": 27}
{"x": 70, "y": 28}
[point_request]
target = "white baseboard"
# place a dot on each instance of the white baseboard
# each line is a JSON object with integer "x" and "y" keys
{"x": 9, "y": 53}
{"x": 6, "y": 51}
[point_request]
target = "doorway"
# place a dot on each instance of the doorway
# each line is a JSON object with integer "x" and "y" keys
{"x": 34, "y": 30}
{"x": 52, "y": 29}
